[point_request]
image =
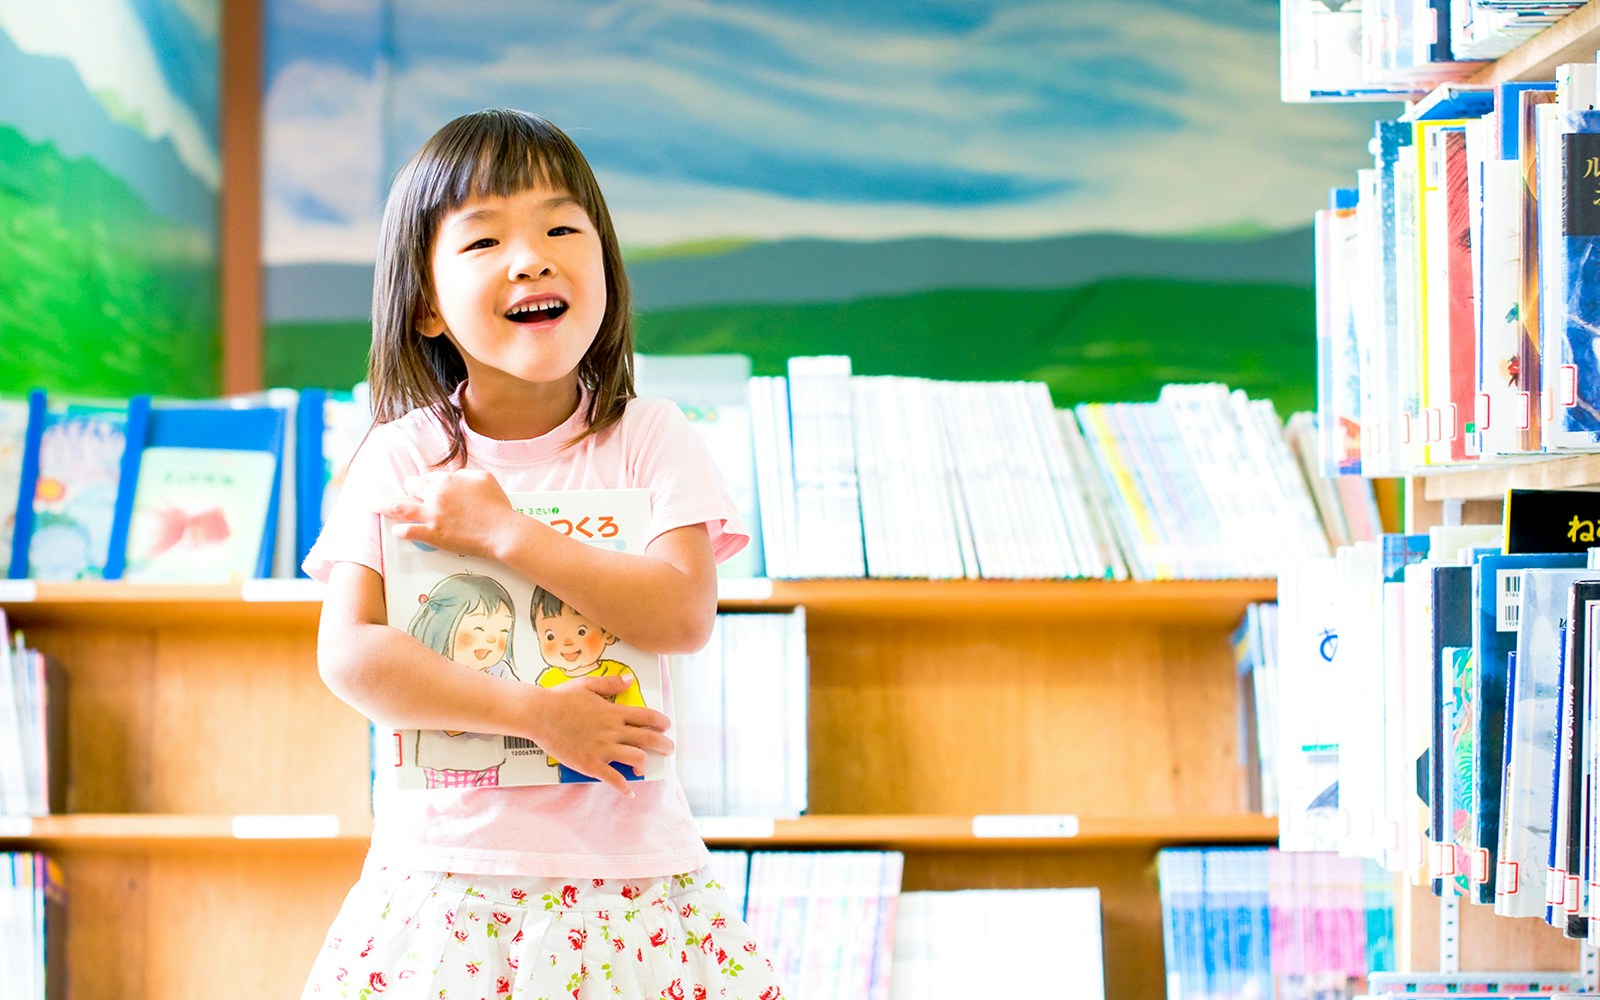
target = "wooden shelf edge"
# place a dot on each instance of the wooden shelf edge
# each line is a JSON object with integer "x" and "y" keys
{"x": 1491, "y": 483}
{"x": 1574, "y": 38}
{"x": 299, "y": 602}
{"x": 104, "y": 832}
{"x": 957, "y": 833}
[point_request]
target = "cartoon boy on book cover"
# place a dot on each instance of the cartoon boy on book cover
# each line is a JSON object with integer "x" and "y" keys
{"x": 572, "y": 646}
{"x": 467, "y": 617}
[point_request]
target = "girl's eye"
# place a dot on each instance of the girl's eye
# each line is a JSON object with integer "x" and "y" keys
{"x": 582, "y": 632}
{"x": 482, "y": 244}
{"x": 561, "y": 231}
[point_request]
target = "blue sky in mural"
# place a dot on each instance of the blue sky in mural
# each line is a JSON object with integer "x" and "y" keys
{"x": 788, "y": 118}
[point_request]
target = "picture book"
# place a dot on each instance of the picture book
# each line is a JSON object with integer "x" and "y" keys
{"x": 76, "y": 484}
{"x": 206, "y": 495}
{"x": 329, "y": 427}
{"x": 1570, "y": 366}
{"x": 1572, "y": 805}
{"x": 478, "y": 612}
{"x": 1452, "y": 628}
{"x": 13, "y": 439}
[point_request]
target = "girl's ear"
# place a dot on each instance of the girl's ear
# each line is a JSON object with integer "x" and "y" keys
{"x": 429, "y": 323}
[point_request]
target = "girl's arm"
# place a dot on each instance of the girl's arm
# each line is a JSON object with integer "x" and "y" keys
{"x": 392, "y": 678}
{"x": 663, "y": 601}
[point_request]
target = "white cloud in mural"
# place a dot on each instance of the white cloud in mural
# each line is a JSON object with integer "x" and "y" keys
{"x": 999, "y": 119}
{"x": 108, "y": 46}
{"x": 324, "y": 149}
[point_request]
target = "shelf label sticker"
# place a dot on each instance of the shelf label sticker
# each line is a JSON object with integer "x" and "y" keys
{"x": 312, "y": 827}
{"x": 18, "y": 591}
{"x": 266, "y": 591}
{"x": 1064, "y": 825}
{"x": 16, "y": 826}
{"x": 735, "y": 827}
{"x": 757, "y": 588}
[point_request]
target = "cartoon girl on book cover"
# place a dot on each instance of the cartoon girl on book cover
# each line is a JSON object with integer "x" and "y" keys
{"x": 467, "y": 617}
{"x": 572, "y": 646}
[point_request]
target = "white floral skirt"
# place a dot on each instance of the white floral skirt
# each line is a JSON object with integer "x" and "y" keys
{"x": 448, "y": 936}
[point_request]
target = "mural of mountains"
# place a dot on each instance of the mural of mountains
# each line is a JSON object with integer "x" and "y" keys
{"x": 1095, "y": 317}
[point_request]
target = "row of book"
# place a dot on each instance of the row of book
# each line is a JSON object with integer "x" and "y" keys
{"x": 837, "y": 924}
{"x": 1242, "y": 922}
{"x": 32, "y": 927}
{"x": 1436, "y": 716}
{"x": 215, "y": 490}
{"x": 742, "y": 717}
{"x": 1390, "y": 50}
{"x": 888, "y": 476}
{"x": 32, "y": 729}
{"x": 1455, "y": 283}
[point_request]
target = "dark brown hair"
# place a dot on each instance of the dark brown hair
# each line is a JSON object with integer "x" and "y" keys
{"x": 492, "y": 153}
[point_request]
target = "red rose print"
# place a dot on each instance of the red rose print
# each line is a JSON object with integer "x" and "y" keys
{"x": 638, "y": 954}
{"x": 722, "y": 956}
{"x": 604, "y": 916}
{"x": 511, "y": 960}
{"x": 450, "y": 919}
{"x": 407, "y": 974}
{"x": 629, "y": 892}
{"x": 597, "y": 883}
{"x": 771, "y": 993}
{"x": 675, "y": 990}
{"x": 576, "y": 938}
{"x": 706, "y": 944}
{"x": 368, "y": 949}
{"x": 517, "y": 939}
{"x": 502, "y": 918}
{"x": 750, "y": 946}
{"x": 472, "y": 968}
{"x": 719, "y": 922}
{"x": 687, "y": 911}
{"x": 502, "y": 985}
{"x": 461, "y": 935}
{"x": 659, "y": 938}
{"x": 518, "y": 895}
{"x": 683, "y": 958}
{"x": 376, "y": 982}
{"x": 339, "y": 976}
{"x": 569, "y": 895}
{"x": 699, "y": 992}
{"x": 617, "y": 944}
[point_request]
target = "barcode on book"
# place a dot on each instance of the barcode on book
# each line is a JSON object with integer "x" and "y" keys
{"x": 1508, "y": 600}
{"x": 518, "y": 743}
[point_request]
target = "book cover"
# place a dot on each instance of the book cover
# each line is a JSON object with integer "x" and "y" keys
{"x": 1574, "y": 760}
{"x": 1571, "y": 369}
{"x": 478, "y": 612}
{"x": 1537, "y": 520}
{"x": 1527, "y": 371}
{"x": 80, "y": 483}
{"x": 206, "y": 495}
{"x": 1497, "y": 585}
{"x": 1452, "y": 627}
{"x": 1460, "y": 346}
{"x": 329, "y": 427}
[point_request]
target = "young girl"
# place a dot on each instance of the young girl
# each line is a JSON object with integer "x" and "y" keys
{"x": 502, "y": 361}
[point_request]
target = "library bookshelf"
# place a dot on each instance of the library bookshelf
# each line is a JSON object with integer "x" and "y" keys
{"x": 1000, "y": 734}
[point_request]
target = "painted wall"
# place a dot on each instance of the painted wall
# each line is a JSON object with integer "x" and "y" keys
{"x": 108, "y": 197}
{"x": 1106, "y": 195}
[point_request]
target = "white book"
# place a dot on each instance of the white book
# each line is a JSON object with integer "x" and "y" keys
{"x": 1310, "y": 673}
{"x": 797, "y": 676}
{"x": 481, "y": 613}
{"x": 940, "y": 521}
{"x": 1094, "y": 500}
{"x": 827, "y": 500}
{"x": 769, "y": 417}
{"x": 878, "y": 479}
{"x": 13, "y": 739}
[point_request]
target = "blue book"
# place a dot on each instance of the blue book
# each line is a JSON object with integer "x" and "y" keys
{"x": 206, "y": 494}
{"x": 1508, "y": 104}
{"x": 1452, "y": 627}
{"x": 76, "y": 481}
{"x": 1571, "y": 255}
{"x": 1497, "y": 586}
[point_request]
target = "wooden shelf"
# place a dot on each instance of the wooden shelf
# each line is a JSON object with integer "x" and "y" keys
{"x": 298, "y": 602}
{"x": 1491, "y": 482}
{"x": 174, "y": 831}
{"x": 1574, "y": 38}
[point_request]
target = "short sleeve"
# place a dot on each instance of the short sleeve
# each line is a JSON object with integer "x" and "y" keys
{"x": 353, "y": 532}
{"x": 685, "y": 484}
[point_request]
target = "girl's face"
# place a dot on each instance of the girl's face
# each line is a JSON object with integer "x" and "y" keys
{"x": 520, "y": 287}
{"x": 481, "y": 637}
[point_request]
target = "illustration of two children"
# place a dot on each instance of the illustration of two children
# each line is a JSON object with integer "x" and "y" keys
{"x": 469, "y": 618}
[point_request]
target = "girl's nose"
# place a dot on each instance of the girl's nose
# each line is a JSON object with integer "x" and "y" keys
{"x": 529, "y": 262}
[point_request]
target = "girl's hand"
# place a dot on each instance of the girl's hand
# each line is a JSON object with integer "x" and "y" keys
{"x": 583, "y": 729}
{"x": 462, "y": 511}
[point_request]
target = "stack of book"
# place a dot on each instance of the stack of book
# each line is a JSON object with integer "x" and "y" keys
{"x": 32, "y": 911}
{"x": 33, "y": 716}
{"x": 1258, "y": 922}
{"x": 1471, "y": 651}
{"x": 1455, "y": 283}
{"x": 825, "y": 918}
{"x": 742, "y": 717}
{"x": 193, "y": 491}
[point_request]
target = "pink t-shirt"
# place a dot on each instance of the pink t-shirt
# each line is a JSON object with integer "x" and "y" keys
{"x": 584, "y": 830}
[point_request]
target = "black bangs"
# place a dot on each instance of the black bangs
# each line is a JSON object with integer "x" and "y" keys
{"x": 500, "y": 153}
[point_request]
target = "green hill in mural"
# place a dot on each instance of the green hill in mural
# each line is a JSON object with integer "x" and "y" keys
{"x": 98, "y": 295}
{"x": 1119, "y": 339}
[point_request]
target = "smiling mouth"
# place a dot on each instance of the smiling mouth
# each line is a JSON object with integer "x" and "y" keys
{"x": 538, "y": 312}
